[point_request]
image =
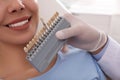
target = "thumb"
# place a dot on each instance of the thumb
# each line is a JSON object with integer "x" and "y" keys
{"x": 65, "y": 33}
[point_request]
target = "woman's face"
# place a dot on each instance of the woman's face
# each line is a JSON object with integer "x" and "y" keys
{"x": 18, "y": 21}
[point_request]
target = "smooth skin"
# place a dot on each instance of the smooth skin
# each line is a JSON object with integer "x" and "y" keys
{"x": 18, "y": 24}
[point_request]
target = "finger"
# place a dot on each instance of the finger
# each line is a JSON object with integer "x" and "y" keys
{"x": 65, "y": 33}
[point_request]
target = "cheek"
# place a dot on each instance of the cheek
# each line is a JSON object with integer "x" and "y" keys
{"x": 31, "y": 5}
{"x": 2, "y": 13}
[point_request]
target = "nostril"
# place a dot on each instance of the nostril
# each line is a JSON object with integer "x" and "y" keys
{"x": 21, "y": 8}
{"x": 17, "y": 10}
{"x": 14, "y": 11}
{"x": 16, "y": 6}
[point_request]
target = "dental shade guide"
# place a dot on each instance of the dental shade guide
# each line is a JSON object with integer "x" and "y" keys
{"x": 44, "y": 46}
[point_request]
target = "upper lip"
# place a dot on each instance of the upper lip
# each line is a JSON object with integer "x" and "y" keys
{"x": 19, "y": 20}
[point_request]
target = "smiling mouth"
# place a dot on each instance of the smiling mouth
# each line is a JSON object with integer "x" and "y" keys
{"x": 22, "y": 24}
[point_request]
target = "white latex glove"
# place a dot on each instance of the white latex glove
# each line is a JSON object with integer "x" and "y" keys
{"x": 82, "y": 35}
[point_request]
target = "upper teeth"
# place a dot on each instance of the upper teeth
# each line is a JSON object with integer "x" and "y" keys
{"x": 18, "y": 24}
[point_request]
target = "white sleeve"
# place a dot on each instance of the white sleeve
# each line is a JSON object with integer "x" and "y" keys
{"x": 110, "y": 61}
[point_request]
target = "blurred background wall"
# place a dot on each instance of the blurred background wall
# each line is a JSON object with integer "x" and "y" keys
{"x": 103, "y": 14}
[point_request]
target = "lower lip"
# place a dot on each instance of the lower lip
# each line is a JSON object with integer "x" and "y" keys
{"x": 23, "y": 27}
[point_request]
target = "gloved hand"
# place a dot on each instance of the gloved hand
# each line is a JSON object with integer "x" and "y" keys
{"x": 82, "y": 35}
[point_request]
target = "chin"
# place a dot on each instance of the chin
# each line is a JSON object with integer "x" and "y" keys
{"x": 23, "y": 40}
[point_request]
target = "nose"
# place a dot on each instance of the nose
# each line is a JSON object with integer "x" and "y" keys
{"x": 16, "y": 6}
